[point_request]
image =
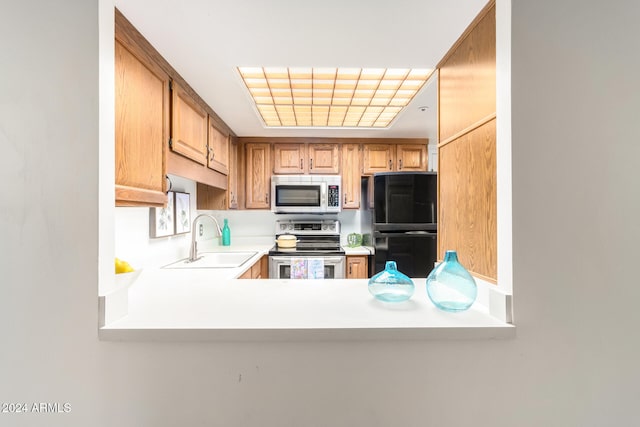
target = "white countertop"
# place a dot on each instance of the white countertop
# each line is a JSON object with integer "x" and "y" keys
{"x": 209, "y": 304}
{"x": 358, "y": 250}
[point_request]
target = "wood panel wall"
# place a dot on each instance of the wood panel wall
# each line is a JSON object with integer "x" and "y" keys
{"x": 467, "y": 148}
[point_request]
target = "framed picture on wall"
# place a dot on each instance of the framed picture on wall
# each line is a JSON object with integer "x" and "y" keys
{"x": 161, "y": 219}
{"x": 182, "y": 213}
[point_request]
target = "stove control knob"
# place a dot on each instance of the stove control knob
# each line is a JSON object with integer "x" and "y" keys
{"x": 324, "y": 226}
{"x": 332, "y": 227}
{"x": 290, "y": 226}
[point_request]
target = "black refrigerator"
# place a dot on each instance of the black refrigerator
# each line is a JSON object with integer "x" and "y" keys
{"x": 405, "y": 222}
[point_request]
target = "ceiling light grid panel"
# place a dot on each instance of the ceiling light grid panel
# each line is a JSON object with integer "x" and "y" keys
{"x": 331, "y": 97}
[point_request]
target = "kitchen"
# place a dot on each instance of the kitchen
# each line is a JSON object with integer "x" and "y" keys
{"x": 225, "y": 183}
{"x": 572, "y": 362}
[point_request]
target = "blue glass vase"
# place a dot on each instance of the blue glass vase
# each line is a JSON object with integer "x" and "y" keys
{"x": 450, "y": 286}
{"x": 390, "y": 285}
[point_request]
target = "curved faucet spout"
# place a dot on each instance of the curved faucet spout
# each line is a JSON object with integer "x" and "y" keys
{"x": 193, "y": 251}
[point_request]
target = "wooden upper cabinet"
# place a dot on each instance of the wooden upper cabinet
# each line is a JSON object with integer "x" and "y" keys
{"x": 189, "y": 123}
{"x": 258, "y": 176}
{"x": 289, "y": 158}
{"x": 232, "y": 187}
{"x": 141, "y": 129}
{"x": 378, "y": 158}
{"x": 411, "y": 157}
{"x": 351, "y": 176}
{"x": 394, "y": 158}
{"x": 323, "y": 158}
{"x": 301, "y": 158}
{"x": 218, "y": 150}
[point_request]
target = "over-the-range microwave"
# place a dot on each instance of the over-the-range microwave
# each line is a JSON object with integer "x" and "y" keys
{"x": 306, "y": 194}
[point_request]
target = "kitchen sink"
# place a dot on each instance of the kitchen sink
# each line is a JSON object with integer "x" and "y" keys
{"x": 214, "y": 260}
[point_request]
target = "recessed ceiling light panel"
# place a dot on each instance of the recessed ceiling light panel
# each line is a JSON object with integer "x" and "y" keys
{"x": 331, "y": 97}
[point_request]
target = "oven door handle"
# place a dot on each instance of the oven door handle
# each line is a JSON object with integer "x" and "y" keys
{"x": 330, "y": 259}
{"x": 326, "y": 259}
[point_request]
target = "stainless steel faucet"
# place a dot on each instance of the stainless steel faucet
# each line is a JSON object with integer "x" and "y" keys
{"x": 193, "y": 252}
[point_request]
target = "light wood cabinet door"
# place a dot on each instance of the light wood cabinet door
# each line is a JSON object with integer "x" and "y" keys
{"x": 246, "y": 275}
{"x": 378, "y": 158}
{"x": 357, "y": 267}
{"x": 141, "y": 130}
{"x": 351, "y": 176}
{"x": 324, "y": 158}
{"x": 411, "y": 157}
{"x": 232, "y": 183}
{"x": 259, "y": 270}
{"x": 289, "y": 158}
{"x": 189, "y": 123}
{"x": 299, "y": 158}
{"x": 258, "y": 177}
{"x": 218, "y": 150}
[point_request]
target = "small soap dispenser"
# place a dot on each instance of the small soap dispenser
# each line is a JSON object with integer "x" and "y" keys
{"x": 226, "y": 233}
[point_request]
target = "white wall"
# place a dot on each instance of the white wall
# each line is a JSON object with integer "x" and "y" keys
{"x": 132, "y": 241}
{"x": 573, "y": 362}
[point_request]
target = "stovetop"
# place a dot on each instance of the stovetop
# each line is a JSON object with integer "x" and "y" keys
{"x": 315, "y": 237}
{"x": 306, "y": 251}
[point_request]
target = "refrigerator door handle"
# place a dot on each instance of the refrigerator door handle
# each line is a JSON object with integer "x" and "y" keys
{"x": 433, "y": 211}
{"x": 407, "y": 234}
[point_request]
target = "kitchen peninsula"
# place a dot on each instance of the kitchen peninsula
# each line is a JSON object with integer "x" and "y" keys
{"x": 211, "y": 304}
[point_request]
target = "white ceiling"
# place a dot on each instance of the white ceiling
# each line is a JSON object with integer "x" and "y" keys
{"x": 205, "y": 40}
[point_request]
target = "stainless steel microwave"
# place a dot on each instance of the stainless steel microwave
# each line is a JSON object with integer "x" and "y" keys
{"x": 306, "y": 194}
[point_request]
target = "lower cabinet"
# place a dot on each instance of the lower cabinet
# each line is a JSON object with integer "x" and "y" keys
{"x": 259, "y": 270}
{"x": 357, "y": 267}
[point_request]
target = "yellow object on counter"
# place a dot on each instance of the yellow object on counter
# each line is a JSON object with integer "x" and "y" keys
{"x": 123, "y": 266}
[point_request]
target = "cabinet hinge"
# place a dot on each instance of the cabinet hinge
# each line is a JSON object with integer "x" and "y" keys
{"x": 171, "y": 143}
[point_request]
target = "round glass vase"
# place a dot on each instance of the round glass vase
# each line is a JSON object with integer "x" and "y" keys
{"x": 450, "y": 286}
{"x": 390, "y": 285}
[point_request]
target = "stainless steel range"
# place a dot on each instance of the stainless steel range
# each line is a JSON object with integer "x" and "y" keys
{"x": 317, "y": 255}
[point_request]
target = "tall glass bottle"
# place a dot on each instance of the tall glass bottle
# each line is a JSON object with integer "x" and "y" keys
{"x": 450, "y": 286}
{"x": 226, "y": 233}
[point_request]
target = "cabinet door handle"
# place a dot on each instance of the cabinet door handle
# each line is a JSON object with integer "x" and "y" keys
{"x": 390, "y": 164}
{"x": 266, "y": 197}
{"x": 310, "y": 163}
{"x": 350, "y": 265}
{"x": 301, "y": 166}
{"x": 400, "y": 162}
{"x": 345, "y": 199}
